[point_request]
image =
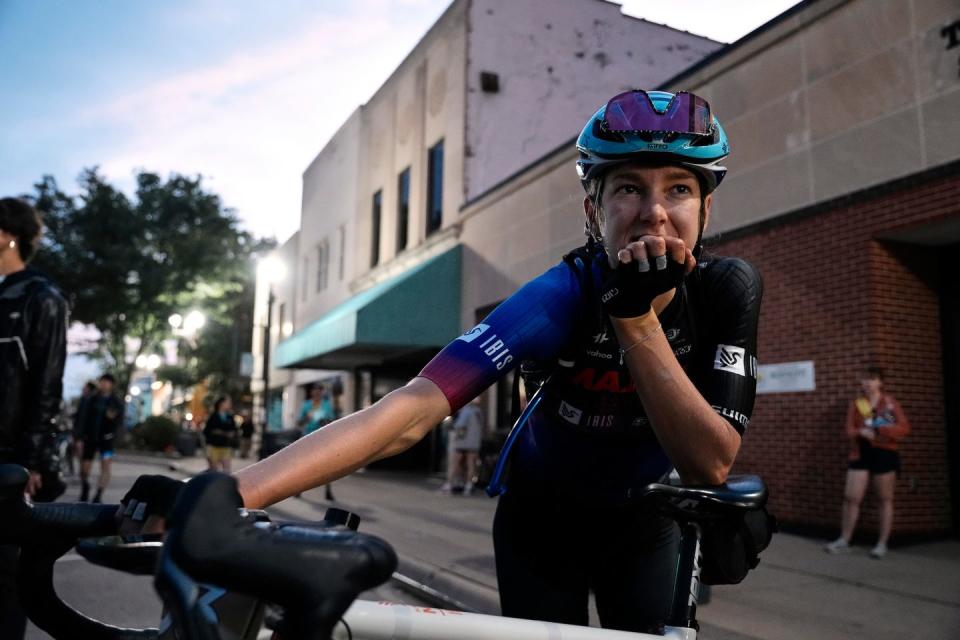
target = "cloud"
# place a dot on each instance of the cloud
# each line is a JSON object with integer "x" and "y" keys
{"x": 253, "y": 121}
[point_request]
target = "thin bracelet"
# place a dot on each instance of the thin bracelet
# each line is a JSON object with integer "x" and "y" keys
{"x": 643, "y": 338}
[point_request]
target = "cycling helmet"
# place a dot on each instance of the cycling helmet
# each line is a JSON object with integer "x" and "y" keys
{"x": 656, "y": 125}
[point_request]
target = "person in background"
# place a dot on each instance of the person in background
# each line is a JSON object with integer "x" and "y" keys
{"x": 875, "y": 425}
{"x": 466, "y": 433}
{"x": 246, "y": 434}
{"x": 316, "y": 412}
{"x": 79, "y": 419}
{"x": 221, "y": 434}
{"x": 33, "y": 350}
{"x": 102, "y": 417}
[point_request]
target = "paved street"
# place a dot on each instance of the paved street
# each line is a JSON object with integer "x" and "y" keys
{"x": 798, "y": 592}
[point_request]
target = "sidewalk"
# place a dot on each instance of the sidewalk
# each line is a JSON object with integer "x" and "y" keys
{"x": 797, "y": 592}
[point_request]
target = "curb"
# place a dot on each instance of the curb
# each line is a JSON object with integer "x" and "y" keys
{"x": 449, "y": 589}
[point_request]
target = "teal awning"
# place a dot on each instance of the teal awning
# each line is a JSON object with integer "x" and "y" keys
{"x": 416, "y": 310}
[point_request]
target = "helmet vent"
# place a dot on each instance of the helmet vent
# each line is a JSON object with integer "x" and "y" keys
{"x": 601, "y": 132}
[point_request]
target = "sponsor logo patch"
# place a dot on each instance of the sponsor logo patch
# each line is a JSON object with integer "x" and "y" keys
{"x": 570, "y": 413}
{"x": 599, "y": 354}
{"x": 474, "y": 333}
{"x": 733, "y": 415}
{"x": 601, "y": 337}
{"x": 730, "y": 359}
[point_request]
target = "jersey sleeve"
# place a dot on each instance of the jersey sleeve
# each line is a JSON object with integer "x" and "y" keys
{"x": 726, "y": 369}
{"x": 533, "y": 323}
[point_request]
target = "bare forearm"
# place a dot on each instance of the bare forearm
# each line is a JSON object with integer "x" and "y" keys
{"x": 699, "y": 442}
{"x": 388, "y": 427}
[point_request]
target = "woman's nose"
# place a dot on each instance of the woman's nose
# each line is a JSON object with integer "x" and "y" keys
{"x": 653, "y": 211}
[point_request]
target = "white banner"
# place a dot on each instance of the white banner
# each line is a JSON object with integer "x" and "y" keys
{"x": 786, "y": 377}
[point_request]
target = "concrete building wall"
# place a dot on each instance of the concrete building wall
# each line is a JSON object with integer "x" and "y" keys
{"x": 282, "y": 318}
{"x": 556, "y": 63}
{"x": 419, "y": 105}
{"x": 328, "y": 221}
{"x": 839, "y": 96}
{"x": 518, "y": 232}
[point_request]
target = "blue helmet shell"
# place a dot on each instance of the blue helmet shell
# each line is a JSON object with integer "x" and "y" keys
{"x": 601, "y": 149}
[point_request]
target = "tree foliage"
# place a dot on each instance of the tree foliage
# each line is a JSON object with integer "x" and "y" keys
{"x": 127, "y": 264}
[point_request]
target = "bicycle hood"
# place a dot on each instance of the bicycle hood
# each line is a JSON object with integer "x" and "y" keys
{"x": 654, "y": 126}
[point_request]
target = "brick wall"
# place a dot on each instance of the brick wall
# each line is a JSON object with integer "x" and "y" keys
{"x": 840, "y": 292}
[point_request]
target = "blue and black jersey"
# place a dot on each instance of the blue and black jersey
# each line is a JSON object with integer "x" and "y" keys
{"x": 589, "y": 434}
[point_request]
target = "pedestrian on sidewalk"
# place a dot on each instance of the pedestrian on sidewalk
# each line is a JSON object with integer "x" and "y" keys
{"x": 80, "y": 419}
{"x": 221, "y": 435}
{"x": 875, "y": 425}
{"x": 33, "y": 350}
{"x": 465, "y": 436}
{"x": 246, "y": 434}
{"x": 103, "y": 416}
{"x": 317, "y": 412}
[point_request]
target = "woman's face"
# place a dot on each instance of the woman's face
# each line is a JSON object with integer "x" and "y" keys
{"x": 641, "y": 200}
{"x": 226, "y": 405}
{"x": 871, "y": 385}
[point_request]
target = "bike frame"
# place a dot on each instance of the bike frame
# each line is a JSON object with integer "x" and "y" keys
{"x": 368, "y": 620}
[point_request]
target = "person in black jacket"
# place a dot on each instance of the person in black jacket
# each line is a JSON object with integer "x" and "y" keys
{"x": 103, "y": 415}
{"x": 33, "y": 349}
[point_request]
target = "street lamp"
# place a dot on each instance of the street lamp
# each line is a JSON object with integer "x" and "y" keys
{"x": 271, "y": 270}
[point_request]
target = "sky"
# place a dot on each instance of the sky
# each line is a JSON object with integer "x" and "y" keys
{"x": 243, "y": 93}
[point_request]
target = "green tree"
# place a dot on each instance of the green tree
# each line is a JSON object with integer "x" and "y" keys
{"x": 127, "y": 264}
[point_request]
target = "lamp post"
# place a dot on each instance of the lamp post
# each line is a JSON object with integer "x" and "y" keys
{"x": 271, "y": 269}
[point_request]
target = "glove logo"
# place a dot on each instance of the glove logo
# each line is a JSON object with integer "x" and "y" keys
{"x": 730, "y": 359}
{"x": 609, "y": 295}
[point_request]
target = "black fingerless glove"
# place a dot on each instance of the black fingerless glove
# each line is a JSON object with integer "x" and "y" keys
{"x": 628, "y": 292}
{"x": 151, "y": 495}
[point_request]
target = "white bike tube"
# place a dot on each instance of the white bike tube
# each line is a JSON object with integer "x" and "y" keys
{"x": 368, "y": 620}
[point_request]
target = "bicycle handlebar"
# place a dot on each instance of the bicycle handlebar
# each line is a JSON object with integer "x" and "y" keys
{"x": 314, "y": 575}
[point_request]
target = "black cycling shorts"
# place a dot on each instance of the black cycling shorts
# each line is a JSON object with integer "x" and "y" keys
{"x": 875, "y": 460}
{"x": 549, "y": 556}
{"x": 91, "y": 447}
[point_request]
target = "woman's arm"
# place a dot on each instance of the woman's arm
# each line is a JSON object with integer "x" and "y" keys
{"x": 393, "y": 424}
{"x": 899, "y": 429}
{"x": 701, "y": 444}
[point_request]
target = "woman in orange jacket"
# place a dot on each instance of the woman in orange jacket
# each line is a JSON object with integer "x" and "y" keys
{"x": 875, "y": 425}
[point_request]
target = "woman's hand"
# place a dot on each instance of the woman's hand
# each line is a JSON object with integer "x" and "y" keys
{"x": 145, "y": 507}
{"x": 645, "y": 269}
{"x": 868, "y": 433}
